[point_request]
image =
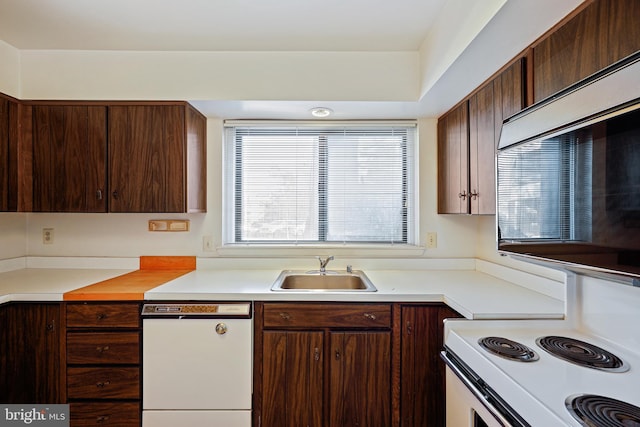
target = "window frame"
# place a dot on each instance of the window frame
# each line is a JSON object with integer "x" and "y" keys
{"x": 409, "y": 169}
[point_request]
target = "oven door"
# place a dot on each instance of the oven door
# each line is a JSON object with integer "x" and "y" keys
{"x": 470, "y": 402}
{"x": 463, "y": 407}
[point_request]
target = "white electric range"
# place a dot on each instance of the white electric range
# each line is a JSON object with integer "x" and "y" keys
{"x": 538, "y": 392}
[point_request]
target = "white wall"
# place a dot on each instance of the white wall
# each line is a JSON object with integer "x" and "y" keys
{"x": 338, "y": 76}
{"x": 9, "y": 70}
{"x": 13, "y": 228}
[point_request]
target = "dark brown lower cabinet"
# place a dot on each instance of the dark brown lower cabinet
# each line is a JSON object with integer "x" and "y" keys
{"x": 349, "y": 364}
{"x": 104, "y": 386}
{"x": 30, "y": 353}
{"x": 422, "y": 400}
{"x": 322, "y": 364}
{"x": 360, "y": 379}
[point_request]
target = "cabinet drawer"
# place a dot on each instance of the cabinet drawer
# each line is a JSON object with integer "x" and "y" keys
{"x": 103, "y": 347}
{"x": 103, "y": 383}
{"x": 327, "y": 315}
{"x": 125, "y": 414}
{"x": 119, "y": 315}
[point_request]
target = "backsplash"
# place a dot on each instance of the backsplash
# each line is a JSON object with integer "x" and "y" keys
{"x": 610, "y": 310}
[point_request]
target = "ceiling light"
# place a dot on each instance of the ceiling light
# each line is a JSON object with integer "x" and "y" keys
{"x": 321, "y": 112}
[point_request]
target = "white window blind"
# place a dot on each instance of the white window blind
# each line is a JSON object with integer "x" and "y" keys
{"x": 317, "y": 183}
{"x": 537, "y": 184}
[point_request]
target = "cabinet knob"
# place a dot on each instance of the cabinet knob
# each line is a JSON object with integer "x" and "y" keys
{"x": 115, "y": 194}
{"x": 473, "y": 194}
{"x": 221, "y": 328}
{"x": 463, "y": 195}
{"x": 285, "y": 316}
{"x": 102, "y": 419}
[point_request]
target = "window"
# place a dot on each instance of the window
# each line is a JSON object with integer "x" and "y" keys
{"x": 319, "y": 183}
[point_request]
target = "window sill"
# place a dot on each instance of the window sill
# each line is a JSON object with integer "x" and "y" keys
{"x": 351, "y": 250}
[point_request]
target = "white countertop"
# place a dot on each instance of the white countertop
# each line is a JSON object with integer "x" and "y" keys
{"x": 49, "y": 284}
{"x": 474, "y": 294}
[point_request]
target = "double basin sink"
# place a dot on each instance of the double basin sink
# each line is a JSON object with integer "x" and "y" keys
{"x": 327, "y": 281}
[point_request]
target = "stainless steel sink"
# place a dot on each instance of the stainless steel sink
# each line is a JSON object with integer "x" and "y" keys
{"x": 328, "y": 281}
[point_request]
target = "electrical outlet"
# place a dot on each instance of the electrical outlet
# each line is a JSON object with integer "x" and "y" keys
{"x": 47, "y": 236}
{"x": 432, "y": 240}
{"x": 207, "y": 244}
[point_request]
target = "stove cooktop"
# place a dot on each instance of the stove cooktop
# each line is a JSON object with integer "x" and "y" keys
{"x": 541, "y": 391}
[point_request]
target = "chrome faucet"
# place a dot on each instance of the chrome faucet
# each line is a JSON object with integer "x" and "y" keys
{"x": 323, "y": 263}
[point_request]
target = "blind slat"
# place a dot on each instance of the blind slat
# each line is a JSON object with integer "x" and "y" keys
{"x": 320, "y": 183}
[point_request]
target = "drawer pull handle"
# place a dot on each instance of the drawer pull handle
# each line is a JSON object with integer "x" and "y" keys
{"x": 285, "y": 316}
{"x": 337, "y": 354}
{"x": 101, "y": 384}
{"x": 102, "y": 418}
{"x": 370, "y": 316}
{"x": 316, "y": 354}
{"x": 102, "y": 349}
{"x": 101, "y": 316}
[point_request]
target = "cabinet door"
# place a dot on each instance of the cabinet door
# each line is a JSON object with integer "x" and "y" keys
{"x": 30, "y": 361}
{"x": 498, "y": 99}
{"x": 69, "y": 158}
{"x": 482, "y": 148}
{"x": 292, "y": 379}
{"x": 360, "y": 380}
{"x": 8, "y": 155}
{"x": 601, "y": 34}
{"x": 146, "y": 158}
{"x": 422, "y": 381}
{"x": 453, "y": 161}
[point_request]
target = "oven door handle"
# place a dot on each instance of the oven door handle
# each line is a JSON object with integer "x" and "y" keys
{"x": 474, "y": 390}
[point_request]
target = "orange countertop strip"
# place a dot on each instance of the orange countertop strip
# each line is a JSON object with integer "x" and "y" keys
{"x": 154, "y": 271}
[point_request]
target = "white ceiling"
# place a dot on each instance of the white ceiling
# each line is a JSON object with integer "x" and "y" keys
{"x": 218, "y": 25}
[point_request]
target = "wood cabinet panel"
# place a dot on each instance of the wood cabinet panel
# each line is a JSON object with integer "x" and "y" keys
{"x": 327, "y": 315}
{"x": 8, "y": 154}
{"x": 292, "y": 382}
{"x": 320, "y": 365}
{"x": 422, "y": 375}
{"x": 30, "y": 356}
{"x": 157, "y": 158}
{"x": 482, "y": 149}
{"x": 69, "y": 158}
{"x": 103, "y": 347}
{"x": 602, "y": 33}
{"x": 453, "y": 161}
{"x": 360, "y": 380}
{"x": 86, "y": 315}
{"x": 103, "y": 383}
{"x": 114, "y": 414}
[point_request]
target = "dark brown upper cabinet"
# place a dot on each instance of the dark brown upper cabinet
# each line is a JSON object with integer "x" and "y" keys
{"x": 157, "y": 156}
{"x": 467, "y": 140}
{"x": 69, "y": 154}
{"x": 602, "y": 33}
{"x": 8, "y": 154}
{"x": 453, "y": 161}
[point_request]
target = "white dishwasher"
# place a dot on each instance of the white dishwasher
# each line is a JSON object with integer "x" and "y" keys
{"x": 197, "y": 364}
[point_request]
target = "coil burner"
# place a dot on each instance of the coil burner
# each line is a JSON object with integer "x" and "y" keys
{"x": 582, "y": 353}
{"x": 508, "y": 349}
{"x": 599, "y": 411}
